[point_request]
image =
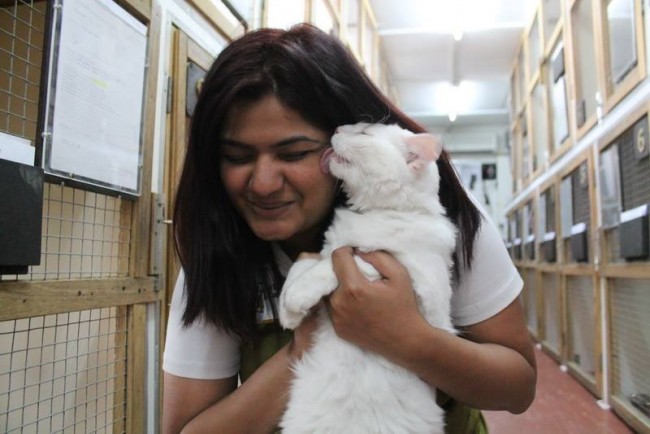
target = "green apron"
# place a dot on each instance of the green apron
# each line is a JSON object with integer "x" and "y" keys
{"x": 459, "y": 419}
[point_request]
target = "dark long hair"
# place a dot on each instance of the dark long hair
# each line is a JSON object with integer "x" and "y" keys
{"x": 226, "y": 266}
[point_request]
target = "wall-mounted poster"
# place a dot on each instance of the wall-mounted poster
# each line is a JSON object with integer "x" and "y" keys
{"x": 93, "y": 116}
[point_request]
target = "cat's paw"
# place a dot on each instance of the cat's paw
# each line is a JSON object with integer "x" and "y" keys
{"x": 290, "y": 319}
{"x": 296, "y": 300}
{"x": 308, "y": 281}
{"x": 291, "y": 311}
{"x": 300, "y": 267}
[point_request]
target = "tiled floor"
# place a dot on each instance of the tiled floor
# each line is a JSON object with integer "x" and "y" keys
{"x": 561, "y": 406}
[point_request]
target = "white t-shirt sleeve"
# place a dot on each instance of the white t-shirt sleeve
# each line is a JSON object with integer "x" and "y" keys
{"x": 200, "y": 351}
{"x": 490, "y": 285}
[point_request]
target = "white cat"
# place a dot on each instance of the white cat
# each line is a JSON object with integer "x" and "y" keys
{"x": 391, "y": 180}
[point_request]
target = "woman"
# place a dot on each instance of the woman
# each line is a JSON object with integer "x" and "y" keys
{"x": 252, "y": 198}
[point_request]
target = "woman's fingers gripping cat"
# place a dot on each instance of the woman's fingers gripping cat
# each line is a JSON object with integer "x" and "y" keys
{"x": 364, "y": 311}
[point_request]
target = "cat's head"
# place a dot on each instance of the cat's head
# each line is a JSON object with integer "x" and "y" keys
{"x": 384, "y": 166}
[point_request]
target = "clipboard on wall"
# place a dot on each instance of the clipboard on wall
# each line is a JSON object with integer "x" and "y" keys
{"x": 94, "y": 83}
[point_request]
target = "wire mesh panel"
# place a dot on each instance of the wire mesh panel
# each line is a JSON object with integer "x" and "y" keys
{"x": 530, "y": 299}
{"x": 630, "y": 338}
{"x": 63, "y": 373}
{"x": 552, "y": 312}
{"x": 581, "y": 324}
{"x": 22, "y": 24}
{"x": 85, "y": 235}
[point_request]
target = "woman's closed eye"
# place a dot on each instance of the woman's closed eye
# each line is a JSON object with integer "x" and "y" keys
{"x": 237, "y": 158}
{"x": 294, "y": 156}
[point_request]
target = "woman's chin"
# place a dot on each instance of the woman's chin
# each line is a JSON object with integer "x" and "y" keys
{"x": 271, "y": 232}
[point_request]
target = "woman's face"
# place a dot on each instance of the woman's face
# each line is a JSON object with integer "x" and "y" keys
{"x": 269, "y": 159}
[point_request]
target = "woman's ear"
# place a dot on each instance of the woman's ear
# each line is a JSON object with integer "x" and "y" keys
{"x": 423, "y": 148}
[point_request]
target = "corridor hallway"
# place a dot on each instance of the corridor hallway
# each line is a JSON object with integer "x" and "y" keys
{"x": 561, "y": 406}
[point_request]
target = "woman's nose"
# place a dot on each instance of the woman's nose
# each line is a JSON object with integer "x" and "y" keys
{"x": 266, "y": 178}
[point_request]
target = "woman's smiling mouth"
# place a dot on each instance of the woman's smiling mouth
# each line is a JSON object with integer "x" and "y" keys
{"x": 269, "y": 209}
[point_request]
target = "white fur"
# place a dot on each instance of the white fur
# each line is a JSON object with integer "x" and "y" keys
{"x": 393, "y": 206}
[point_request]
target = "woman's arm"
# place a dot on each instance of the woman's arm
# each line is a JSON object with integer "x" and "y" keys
{"x": 254, "y": 407}
{"x": 209, "y": 406}
{"x": 184, "y": 398}
{"x": 493, "y": 368}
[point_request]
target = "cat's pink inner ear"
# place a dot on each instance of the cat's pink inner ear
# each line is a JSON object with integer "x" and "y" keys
{"x": 427, "y": 146}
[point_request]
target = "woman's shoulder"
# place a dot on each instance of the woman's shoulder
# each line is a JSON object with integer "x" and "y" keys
{"x": 492, "y": 281}
{"x": 199, "y": 350}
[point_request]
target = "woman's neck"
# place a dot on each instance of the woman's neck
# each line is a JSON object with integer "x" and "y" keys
{"x": 293, "y": 248}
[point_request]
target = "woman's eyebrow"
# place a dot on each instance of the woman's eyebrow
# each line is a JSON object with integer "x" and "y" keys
{"x": 282, "y": 143}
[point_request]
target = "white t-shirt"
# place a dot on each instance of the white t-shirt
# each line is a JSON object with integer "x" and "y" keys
{"x": 203, "y": 351}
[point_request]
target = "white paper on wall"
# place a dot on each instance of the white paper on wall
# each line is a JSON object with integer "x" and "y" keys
{"x": 98, "y": 96}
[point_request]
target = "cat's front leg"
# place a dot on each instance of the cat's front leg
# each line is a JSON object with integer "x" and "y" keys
{"x": 308, "y": 281}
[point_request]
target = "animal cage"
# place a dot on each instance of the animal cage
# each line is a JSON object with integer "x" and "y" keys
{"x": 548, "y": 242}
{"x": 626, "y": 242}
{"x": 22, "y": 35}
{"x": 85, "y": 235}
{"x": 552, "y": 308}
{"x": 576, "y": 249}
{"x": 530, "y": 298}
{"x": 64, "y": 373}
{"x": 68, "y": 326}
{"x": 581, "y": 324}
{"x": 629, "y": 316}
{"x": 627, "y": 238}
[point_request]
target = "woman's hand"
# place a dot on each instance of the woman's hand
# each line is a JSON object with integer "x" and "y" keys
{"x": 372, "y": 314}
{"x": 382, "y": 316}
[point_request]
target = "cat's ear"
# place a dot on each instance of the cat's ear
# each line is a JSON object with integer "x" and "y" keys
{"x": 423, "y": 148}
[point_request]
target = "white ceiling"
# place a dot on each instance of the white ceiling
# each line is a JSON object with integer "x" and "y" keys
{"x": 425, "y": 60}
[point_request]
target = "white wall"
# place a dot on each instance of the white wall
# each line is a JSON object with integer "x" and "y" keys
{"x": 479, "y": 145}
